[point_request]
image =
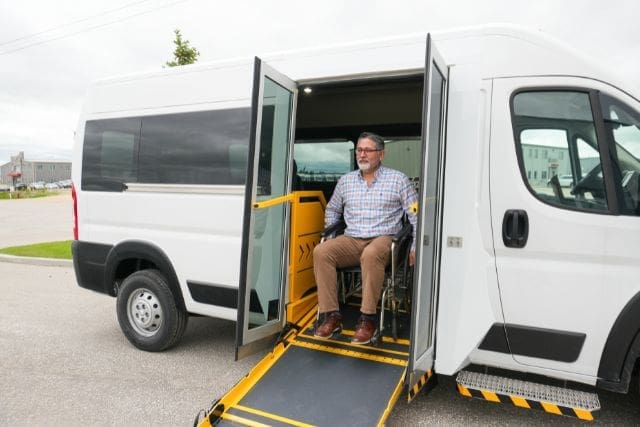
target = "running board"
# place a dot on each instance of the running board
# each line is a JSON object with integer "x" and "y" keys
{"x": 525, "y": 394}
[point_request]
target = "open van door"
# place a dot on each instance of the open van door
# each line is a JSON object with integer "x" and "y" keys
{"x": 428, "y": 234}
{"x": 263, "y": 271}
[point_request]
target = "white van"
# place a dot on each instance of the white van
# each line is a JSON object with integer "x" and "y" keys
{"x": 184, "y": 196}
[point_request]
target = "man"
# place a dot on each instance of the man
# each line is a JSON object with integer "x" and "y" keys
{"x": 372, "y": 201}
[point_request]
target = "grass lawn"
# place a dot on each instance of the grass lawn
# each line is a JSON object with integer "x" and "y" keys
{"x": 59, "y": 250}
{"x": 27, "y": 194}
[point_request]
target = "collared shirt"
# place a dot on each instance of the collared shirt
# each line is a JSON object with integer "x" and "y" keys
{"x": 376, "y": 210}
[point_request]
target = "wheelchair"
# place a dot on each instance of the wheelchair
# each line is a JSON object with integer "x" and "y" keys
{"x": 396, "y": 289}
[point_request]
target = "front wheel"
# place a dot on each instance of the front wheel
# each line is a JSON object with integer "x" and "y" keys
{"x": 147, "y": 311}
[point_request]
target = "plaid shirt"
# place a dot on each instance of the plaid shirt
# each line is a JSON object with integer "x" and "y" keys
{"x": 376, "y": 210}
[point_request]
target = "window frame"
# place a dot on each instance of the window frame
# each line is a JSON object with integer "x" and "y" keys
{"x": 612, "y": 194}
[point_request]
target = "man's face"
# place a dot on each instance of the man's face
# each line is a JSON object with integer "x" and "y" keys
{"x": 367, "y": 155}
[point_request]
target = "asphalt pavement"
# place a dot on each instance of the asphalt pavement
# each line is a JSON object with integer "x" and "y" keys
{"x": 44, "y": 219}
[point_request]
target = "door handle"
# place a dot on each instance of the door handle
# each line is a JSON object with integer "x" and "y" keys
{"x": 515, "y": 228}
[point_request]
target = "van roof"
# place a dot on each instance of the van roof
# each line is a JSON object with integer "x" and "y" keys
{"x": 492, "y": 50}
{"x": 508, "y": 50}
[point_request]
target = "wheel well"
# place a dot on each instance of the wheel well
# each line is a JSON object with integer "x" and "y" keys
{"x": 130, "y": 266}
{"x": 131, "y": 256}
{"x": 622, "y": 349}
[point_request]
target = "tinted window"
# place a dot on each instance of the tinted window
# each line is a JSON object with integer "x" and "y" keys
{"x": 109, "y": 153}
{"x": 560, "y": 124}
{"x": 208, "y": 147}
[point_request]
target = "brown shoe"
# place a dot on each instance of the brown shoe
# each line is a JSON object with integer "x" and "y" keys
{"x": 365, "y": 330}
{"x": 332, "y": 324}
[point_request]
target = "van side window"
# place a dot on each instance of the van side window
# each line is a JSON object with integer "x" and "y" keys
{"x": 204, "y": 147}
{"x": 109, "y": 156}
{"x": 622, "y": 125}
{"x": 560, "y": 124}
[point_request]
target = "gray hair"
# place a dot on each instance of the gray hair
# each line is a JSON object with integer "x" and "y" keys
{"x": 374, "y": 137}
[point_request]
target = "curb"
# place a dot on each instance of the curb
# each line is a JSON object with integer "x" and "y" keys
{"x": 48, "y": 262}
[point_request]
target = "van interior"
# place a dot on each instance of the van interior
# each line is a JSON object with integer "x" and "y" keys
{"x": 329, "y": 119}
{"x": 330, "y": 116}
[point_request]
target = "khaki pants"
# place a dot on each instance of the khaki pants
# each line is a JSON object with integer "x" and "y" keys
{"x": 372, "y": 255}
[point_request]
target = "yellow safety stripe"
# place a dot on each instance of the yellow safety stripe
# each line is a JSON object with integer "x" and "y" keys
{"x": 402, "y": 341}
{"x": 552, "y": 408}
{"x": 464, "y": 391}
{"x": 490, "y": 396}
{"x": 583, "y": 415}
{"x": 392, "y": 400}
{"x": 519, "y": 401}
{"x": 271, "y": 416}
{"x": 308, "y": 320}
{"x": 422, "y": 381}
{"x": 348, "y": 344}
{"x": 243, "y": 421}
{"x": 350, "y": 353}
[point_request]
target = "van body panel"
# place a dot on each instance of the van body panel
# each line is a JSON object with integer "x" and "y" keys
{"x": 181, "y": 88}
{"x": 578, "y": 268}
{"x": 468, "y": 301}
{"x": 204, "y": 248}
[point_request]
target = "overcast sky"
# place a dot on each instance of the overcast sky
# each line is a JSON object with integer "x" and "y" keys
{"x": 51, "y": 51}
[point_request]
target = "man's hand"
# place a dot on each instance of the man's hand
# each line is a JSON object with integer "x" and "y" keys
{"x": 412, "y": 258}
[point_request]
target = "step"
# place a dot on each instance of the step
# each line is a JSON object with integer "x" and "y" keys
{"x": 526, "y": 394}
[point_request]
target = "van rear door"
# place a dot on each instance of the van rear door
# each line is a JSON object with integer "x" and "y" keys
{"x": 263, "y": 271}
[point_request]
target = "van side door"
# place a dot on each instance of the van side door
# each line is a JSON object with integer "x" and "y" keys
{"x": 263, "y": 270}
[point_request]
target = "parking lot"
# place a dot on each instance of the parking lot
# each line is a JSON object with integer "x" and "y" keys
{"x": 44, "y": 219}
{"x": 64, "y": 361}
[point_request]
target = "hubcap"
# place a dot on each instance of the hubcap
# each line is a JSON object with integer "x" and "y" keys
{"x": 144, "y": 312}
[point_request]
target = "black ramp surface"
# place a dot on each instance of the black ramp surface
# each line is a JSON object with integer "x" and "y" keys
{"x": 325, "y": 389}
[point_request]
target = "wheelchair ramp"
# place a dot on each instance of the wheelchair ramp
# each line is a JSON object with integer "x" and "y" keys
{"x": 306, "y": 381}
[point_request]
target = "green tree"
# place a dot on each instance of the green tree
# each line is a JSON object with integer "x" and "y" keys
{"x": 183, "y": 54}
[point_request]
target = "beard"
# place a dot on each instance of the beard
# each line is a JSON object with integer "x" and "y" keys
{"x": 364, "y": 165}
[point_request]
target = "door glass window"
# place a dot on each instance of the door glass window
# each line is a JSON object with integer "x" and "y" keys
{"x": 269, "y": 224}
{"x": 623, "y": 129}
{"x": 426, "y": 294}
{"x": 559, "y": 124}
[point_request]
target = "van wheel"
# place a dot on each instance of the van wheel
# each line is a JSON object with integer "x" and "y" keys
{"x": 147, "y": 311}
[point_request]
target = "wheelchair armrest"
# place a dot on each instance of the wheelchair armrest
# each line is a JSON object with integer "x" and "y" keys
{"x": 404, "y": 232}
{"x": 333, "y": 229}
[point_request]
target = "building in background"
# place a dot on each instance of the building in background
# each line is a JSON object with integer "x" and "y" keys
{"x": 19, "y": 170}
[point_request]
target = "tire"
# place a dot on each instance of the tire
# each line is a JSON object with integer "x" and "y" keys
{"x": 147, "y": 311}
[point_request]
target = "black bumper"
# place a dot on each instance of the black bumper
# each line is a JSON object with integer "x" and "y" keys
{"x": 89, "y": 263}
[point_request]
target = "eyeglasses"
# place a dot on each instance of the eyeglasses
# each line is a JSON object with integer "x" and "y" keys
{"x": 367, "y": 150}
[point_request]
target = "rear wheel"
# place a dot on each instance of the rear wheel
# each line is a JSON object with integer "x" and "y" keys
{"x": 147, "y": 311}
